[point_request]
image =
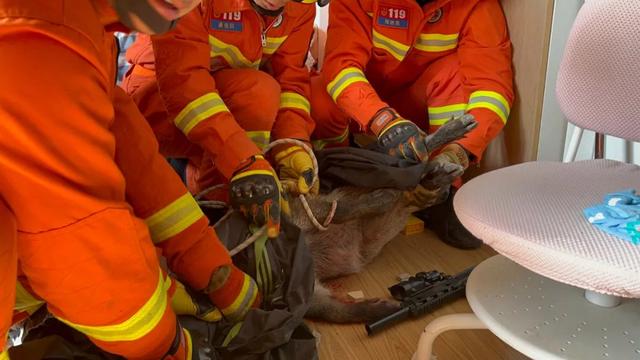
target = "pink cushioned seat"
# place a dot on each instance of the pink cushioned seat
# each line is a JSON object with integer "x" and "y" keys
{"x": 532, "y": 213}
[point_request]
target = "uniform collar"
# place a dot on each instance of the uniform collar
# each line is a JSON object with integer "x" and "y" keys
{"x": 224, "y": 6}
{"x": 431, "y": 7}
{"x": 434, "y": 5}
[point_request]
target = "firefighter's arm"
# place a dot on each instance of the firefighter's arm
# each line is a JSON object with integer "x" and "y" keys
{"x": 348, "y": 49}
{"x": 189, "y": 92}
{"x": 177, "y": 227}
{"x": 289, "y": 69}
{"x": 294, "y": 165}
{"x": 485, "y": 62}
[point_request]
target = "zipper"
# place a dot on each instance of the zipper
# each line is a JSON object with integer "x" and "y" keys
{"x": 263, "y": 34}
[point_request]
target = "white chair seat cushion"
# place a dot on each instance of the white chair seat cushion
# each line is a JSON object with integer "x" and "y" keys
{"x": 532, "y": 213}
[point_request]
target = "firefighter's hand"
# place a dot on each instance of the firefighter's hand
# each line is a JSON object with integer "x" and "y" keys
{"x": 453, "y": 154}
{"x": 295, "y": 168}
{"x": 233, "y": 292}
{"x": 255, "y": 191}
{"x": 185, "y": 302}
{"x": 423, "y": 197}
{"x": 399, "y": 137}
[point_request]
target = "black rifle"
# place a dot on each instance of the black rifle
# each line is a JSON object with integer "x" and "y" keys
{"x": 421, "y": 294}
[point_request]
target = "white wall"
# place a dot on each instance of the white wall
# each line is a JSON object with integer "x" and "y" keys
{"x": 553, "y": 125}
{"x": 615, "y": 148}
{"x": 554, "y": 129}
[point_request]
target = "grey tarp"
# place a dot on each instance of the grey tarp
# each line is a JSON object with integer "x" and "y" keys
{"x": 277, "y": 330}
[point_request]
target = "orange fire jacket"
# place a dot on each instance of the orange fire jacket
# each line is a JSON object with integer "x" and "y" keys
{"x": 375, "y": 47}
{"x": 230, "y": 34}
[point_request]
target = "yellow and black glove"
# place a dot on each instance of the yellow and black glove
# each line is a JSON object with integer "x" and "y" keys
{"x": 295, "y": 169}
{"x": 185, "y": 302}
{"x": 256, "y": 192}
{"x": 453, "y": 154}
{"x": 423, "y": 197}
{"x": 399, "y": 137}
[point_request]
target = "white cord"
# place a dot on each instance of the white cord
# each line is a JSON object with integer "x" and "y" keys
{"x": 305, "y": 204}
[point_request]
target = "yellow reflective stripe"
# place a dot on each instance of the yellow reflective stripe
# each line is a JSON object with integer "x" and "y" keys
{"x": 260, "y": 138}
{"x": 345, "y": 78}
{"x": 232, "y": 334}
{"x": 189, "y": 343}
{"x": 138, "y": 325}
{"x": 396, "y": 49}
{"x": 4, "y": 355}
{"x": 321, "y": 143}
{"x": 441, "y": 114}
{"x": 173, "y": 218}
{"x": 231, "y": 54}
{"x": 490, "y": 100}
{"x": 245, "y": 298}
{"x": 251, "y": 172}
{"x": 294, "y": 100}
{"x": 273, "y": 43}
{"x": 25, "y": 301}
{"x": 199, "y": 109}
{"x": 308, "y": 1}
{"x": 436, "y": 42}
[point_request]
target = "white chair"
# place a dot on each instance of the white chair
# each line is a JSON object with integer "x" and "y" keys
{"x": 561, "y": 288}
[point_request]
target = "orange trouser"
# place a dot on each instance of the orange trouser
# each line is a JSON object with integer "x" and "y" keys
{"x": 80, "y": 246}
{"x": 438, "y": 86}
{"x": 252, "y": 96}
{"x": 8, "y": 266}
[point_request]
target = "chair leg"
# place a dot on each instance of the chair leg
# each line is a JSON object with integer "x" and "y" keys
{"x": 442, "y": 324}
{"x": 574, "y": 144}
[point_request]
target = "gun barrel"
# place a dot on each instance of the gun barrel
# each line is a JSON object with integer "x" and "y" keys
{"x": 376, "y": 326}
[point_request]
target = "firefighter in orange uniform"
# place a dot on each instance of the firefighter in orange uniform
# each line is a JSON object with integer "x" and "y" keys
{"x": 72, "y": 177}
{"x": 400, "y": 68}
{"x": 230, "y": 77}
{"x": 9, "y": 261}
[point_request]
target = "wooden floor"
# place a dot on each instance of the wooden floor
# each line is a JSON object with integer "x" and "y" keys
{"x": 410, "y": 254}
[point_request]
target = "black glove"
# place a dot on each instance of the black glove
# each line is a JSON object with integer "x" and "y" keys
{"x": 256, "y": 192}
{"x": 399, "y": 137}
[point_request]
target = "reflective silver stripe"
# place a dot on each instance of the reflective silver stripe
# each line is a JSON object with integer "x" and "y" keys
{"x": 321, "y": 143}
{"x": 260, "y": 138}
{"x": 436, "y": 42}
{"x": 388, "y": 44}
{"x": 230, "y": 53}
{"x": 439, "y": 115}
{"x": 249, "y": 296}
{"x": 344, "y": 79}
{"x": 445, "y": 116}
{"x": 198, "y": 110}
{"x": 490, "y": 100}
{"x": 425, "y": 42}
{"x": 138, "y": 325}
{"x": 173, "y": 218}
{"x": 302, "y": 104}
